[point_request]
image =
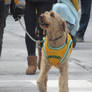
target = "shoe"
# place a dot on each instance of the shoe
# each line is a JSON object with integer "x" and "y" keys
{"x": 32, "y": 65}
{"x": 79, "y": 39}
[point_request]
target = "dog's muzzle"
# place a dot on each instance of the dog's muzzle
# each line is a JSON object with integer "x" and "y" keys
{"x": 40, "y": 32}
{"x": 42, "y": 21}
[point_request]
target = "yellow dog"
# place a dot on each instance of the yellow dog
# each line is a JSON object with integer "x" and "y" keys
{"x": 56, "y": 50}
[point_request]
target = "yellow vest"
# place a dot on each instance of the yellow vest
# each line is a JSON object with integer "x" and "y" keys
{"x": 76, "y": 4}
{"x": 57, "y": 55}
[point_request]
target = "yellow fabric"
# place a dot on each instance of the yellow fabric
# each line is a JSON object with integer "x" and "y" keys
{"x": 76, "y": 4}
{"x": 16, "y": 1}
{"x": 58, "y": 53}
{"x": 7, "y": 2}
{"x": 20, "y": 2}
{"x": 36, "y": 11}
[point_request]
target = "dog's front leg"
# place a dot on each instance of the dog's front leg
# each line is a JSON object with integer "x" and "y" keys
{"x": 63, "y": 79}
{"x": 42, "y": 78}
{"x": 42, "y": 83}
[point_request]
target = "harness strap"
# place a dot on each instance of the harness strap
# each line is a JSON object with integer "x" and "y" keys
{"x": 59, "y": 58}
{"x": 68, "y": 48}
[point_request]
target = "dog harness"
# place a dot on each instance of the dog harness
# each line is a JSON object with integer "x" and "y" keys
{"x": 57, "y": 55}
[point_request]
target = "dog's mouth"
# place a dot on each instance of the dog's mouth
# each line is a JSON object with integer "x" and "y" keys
{"x": 42, "y": 22}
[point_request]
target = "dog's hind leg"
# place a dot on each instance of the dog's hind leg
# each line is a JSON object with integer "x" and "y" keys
{"x": 43, "y": 76}
{"x": 63, "y": 79}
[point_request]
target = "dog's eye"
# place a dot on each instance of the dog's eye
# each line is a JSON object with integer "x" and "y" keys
{"x": 52, "y": 14}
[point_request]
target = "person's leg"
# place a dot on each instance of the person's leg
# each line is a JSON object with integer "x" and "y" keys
{"x": 30, "y": 19}
{"x": 1, "y": 24}
{"x": 30, "y": 23}
{"x": 41, "y": 8}
{"x": 84, "y": 20}
{"x": 1, "y": 37}
{"x": 3, "y": 14}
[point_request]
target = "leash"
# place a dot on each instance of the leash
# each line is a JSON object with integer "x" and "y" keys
{"x": 36, "y": 41}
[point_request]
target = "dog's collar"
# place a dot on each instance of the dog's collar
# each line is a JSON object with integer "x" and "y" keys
{"x": 57, "y": 48}
{"x": 56, "y": 38}
{"x": 60, "y": 47}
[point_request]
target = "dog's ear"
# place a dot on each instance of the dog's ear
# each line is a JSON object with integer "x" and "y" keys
{"x": 52, "y": 14}
{"x": 64, "y": 25}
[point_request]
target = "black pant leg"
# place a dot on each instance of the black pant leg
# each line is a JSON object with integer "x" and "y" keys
{"x": 30, "y": 23}
{"x": 30, "y": 18}
{"x": 41, "y": 8}
{"x": 3, "y": 15}
{"x": 85, "y": 15}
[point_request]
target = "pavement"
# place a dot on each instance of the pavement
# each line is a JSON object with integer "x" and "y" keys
{"x": 13, "y": 63}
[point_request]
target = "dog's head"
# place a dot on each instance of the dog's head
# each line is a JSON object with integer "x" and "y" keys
{"x": 51, "y": 21}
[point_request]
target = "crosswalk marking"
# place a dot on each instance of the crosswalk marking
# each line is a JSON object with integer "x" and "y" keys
{"x": 74, "y": 85}
{"x": 54, "y": 83}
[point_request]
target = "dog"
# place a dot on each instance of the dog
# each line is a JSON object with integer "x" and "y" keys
{"x": 56, "y": 50}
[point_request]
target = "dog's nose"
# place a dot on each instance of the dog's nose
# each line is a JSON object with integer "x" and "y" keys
{"x": 41, "y": 17}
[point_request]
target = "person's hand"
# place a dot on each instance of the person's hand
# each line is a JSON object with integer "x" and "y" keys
{"x": 18, "y": 12}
